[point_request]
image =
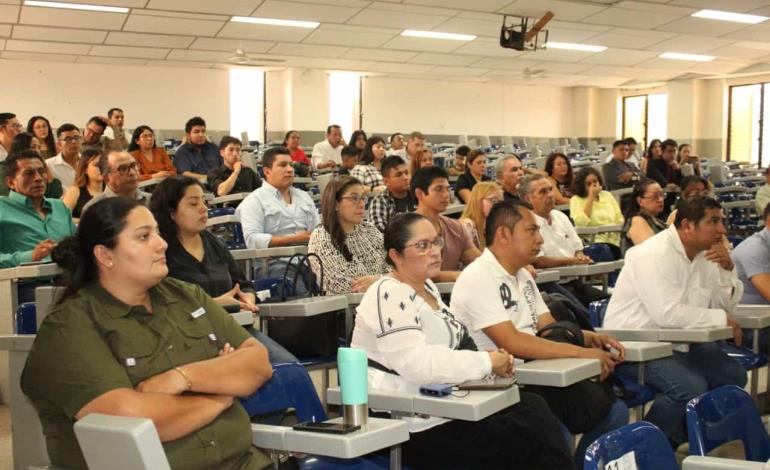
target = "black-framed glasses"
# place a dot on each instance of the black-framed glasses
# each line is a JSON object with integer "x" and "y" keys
{"x": 655, "y": 197}
{"x": 128, "y": 167}
{"x": 423, "y": 246}
{"x": 356, "y": 198}
{"x": 72, "y": 138}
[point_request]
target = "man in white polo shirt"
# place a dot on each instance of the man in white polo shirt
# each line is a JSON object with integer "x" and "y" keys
{"x": 328, "y": 152}
{"x": 682, "y": 277}
{"x": 64, "y": 165}
{"x": 498, "y": 300}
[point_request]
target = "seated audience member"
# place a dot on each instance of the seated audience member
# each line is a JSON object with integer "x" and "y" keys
{"x": 118, "y": 137}
{"x": 752, "y": 262}
{"x": 641, "y": 215}
{"x": 421, "y": 343}
{"x": 30, "y": 223}
{"x": 475, "y": 172}
{"x": 619, "y": 173}
{"x": 685, "y": 157}
{"x": 301, "y": 163}
{"x": 431, "y": 189}
{"x": 121, "y": 177}
{"x": 415, "y": 144}
{"x": 474, "y": 216}
{"x": 9, "y": 127}
{"x": 509, "y": 170}
{"x": 197, "y": 256}
{"x": 763, "y": 194}
{"x": 26, "y": 141}
{"x": 633, "y": 157}
{"x": 350, "y": 250}
{"x": 93, "y": 134}
{"x": 277, "y": 213}
{"x": 654, "y": 152}
{"x": 88, "y": 183}
{"x": 561, "y": 244}
{"x": 233, "y": 176}
{"x": 681, "y": 278}
{"x": 592, "y": 206}
{"x": 396, "y": 198}
{"x": 121, "y": 342}
{"x": 64, "y": 165}
{"x": 196, "y": 157}
{"x": 692, "y": 186}
{"x": 665, "y": 170}
{"x": 327, "y": 153}
{"x": 350, "y": 158}
{"x": 458, "y": 167}
{"x": 425, "y": 160}
{"x": 498, "y": 300}
{"x": 39, "y": 127}
{"x": 397, "y": 145}
{"x": 358, "y": 140}
{"x": 559, "y": 171}
{"x": 368, "y": 169}
{"x": 153, "y": 162}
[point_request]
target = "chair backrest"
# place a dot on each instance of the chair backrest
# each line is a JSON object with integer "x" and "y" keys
{"x": 290, "y": 387}
{"x": 596, "y": 311}
{"x": 323, "y": 181}
{"x": 26, "y": 322}
{"x": 650, "y": 447}
{"x": 723, "y": 415}
{"x": 120, "y": 443}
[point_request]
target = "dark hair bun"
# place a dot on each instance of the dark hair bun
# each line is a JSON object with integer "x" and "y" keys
{"x": 68, "y": 254}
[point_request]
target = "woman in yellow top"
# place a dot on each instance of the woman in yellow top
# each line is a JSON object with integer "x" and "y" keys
{"x": 591, "y": 206}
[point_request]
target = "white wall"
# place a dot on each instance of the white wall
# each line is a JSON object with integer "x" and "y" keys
{"x": 161, "y": 97}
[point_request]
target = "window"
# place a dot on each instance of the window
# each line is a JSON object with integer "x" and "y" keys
{"x": 343, "y": 101}
{"x": 645, "y": 117}
{"x": 247, "y": 103}
{"x": 746, "y": 129}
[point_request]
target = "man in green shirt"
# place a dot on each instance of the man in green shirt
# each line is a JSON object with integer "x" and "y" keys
{"x": 30, "y": 224}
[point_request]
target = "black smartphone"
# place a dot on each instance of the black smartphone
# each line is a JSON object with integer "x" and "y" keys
{"x": 330, "y": 428}
{"x": 232, "y": 308}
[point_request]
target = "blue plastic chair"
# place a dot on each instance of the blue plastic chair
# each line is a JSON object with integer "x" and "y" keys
{"x": 650, "y": 446}
{"x": 26, "y": 319}
{"x": 291, "y": 387}
{"x": 596, "y": 311}
{"x": 745, "y": 356}
{"x": 726, "y": 414}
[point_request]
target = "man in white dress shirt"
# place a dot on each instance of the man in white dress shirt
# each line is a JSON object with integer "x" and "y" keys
{"x": 328, "y": 152}
{"x": 64, "y": 165}
{"x": 682, "y": 277}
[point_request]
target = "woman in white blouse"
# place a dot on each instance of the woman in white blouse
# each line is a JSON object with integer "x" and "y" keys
{"x": 412, "y": 339}
{"x": 351, "y": 251}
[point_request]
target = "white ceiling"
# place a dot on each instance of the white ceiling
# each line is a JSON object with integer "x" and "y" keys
{"x": 363, "y": 35}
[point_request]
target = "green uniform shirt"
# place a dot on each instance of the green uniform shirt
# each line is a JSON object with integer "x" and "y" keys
{"x": 93, "y": 343}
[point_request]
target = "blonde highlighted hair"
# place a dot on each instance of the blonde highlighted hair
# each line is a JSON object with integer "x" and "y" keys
{"x": 474, "y": 209}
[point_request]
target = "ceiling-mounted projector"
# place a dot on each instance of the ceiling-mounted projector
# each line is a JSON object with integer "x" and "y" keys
{"x": 523, "y": 38}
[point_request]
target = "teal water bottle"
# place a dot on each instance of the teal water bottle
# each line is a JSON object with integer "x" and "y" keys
{"x": 352, "y": 365}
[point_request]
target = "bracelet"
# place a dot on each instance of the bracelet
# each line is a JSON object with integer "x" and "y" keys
{"x": 185, "y": 377}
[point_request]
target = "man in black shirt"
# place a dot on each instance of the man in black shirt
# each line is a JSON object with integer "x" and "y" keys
{"x": 619, "y": 173}
{"x": 350, "y": 156}
{"x": 233, "y": 177}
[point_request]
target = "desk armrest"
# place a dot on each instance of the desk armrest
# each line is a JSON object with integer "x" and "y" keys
{"x": 697, "y": 335}
{"x": 557, "y": 372}
{"x": 630, "y": 335}
{"x": 713, "y": 463}
{"x": 243, "y": 318}
{"x": 267, "y": 436}
{"x": 379, "y": 400}
{"x": 643, "y": 351}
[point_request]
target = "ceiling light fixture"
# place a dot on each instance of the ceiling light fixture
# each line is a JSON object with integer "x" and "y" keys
{"x": 438, "y": 35}
{"x": 690, "y": 57}
{"x": 275, "y": 22}
{"x": 575, "y": 47}
{"x": 75, "y": 6}
{"x": 729, "y": 16}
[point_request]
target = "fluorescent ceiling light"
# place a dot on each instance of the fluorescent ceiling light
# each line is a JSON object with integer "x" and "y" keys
{"x": 690, "y": 57}
{"x": 729, "y": 16}
{"x": 437, "y": 35}
{"x": 276, "y": 22}
{"x": 75, "y": 6}
{"x": 574, "y": 47}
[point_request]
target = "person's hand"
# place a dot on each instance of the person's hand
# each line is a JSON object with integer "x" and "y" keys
{"x": 582, "y": 258}
{"x": 225, "y": 400}
{"x": 625, "y": 177}
{"x": 237, "y": 167}
{"x": 737, "y": 330}
{"x": 607, "y": 359}
{"x": 531, "y": 270}
{"x": 43, "y": 249}
{"x": 226, "y": 349}
{"x": 674, "y": 164}
{"x": 160, "y": 174}
{"x": 233, "y": 297}
{"x": 363, "y": 283}
{"x": 719, "y": 254}
{"x": 301, "y": 238}
{"x": 594, "y": 190}
{"x": 170, "y": 382}
{"x": 502, "y": 363}
{"x": 605, "y": 342}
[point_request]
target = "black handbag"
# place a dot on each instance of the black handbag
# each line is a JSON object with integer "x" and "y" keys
{"x": 310, "y": 336}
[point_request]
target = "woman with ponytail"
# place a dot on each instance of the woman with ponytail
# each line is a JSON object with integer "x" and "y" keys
{"x": 127, "y": 340}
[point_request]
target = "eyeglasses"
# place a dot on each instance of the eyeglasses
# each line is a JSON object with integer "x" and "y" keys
{"x": 71, "y": 139}
{"x": 656, "y": 197}
{"x": 423, "y": 246}
{"x": 357, "y": 198}
{"x": 15, "y": 125}
{"x": 127, "y": 168}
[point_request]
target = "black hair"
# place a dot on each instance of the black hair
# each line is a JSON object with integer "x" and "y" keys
{"x": 682, "y": 146}
{"x": 192, "y": 122}
{"x": 135, "y": 136}
{"x": 367, "y": 156}
{"x": 579, "y": 185}
{"x": 333, "y": 126}
{"x": 653, "y": 142}
{"x": 349, "y": 151}
{"x": 503, "y": 214}
{"x": 99, "y": 122}
{"x": 5, "y": 117}
{"x": 471, "y": 157}
{"x": 618, "y": 143}
{"x": 389, "y": 163}
{"x": 12, "y": 162}
{"x": 693, "y": 179}
{"x": 424, "y": 177}
{"x": 286, "y": 137}
{"x": 398, "y": 232}
{"x": 269, "y": 156}
{"x": 766, "y": 212}
{"x": 549, "y": 164}
{"x": 463, "y": 150}
{"x": 694, "y": 209}
{"x": 113, "y": 111}
{"x": 668, "y": 143}
{"x": 354, "y": 137}
{"x": 22, "y": 141}
{"x": 99, "y": 225}
{"x": 632, "y": 207}
{"x": 329, "y": 215}
{"x": 49, "y": 140}
{"x": 227, "y": 140}
{"x": 630, "y": 141}
{"x": 165, "y": 201}
{"x": 66, "y": 127}
{"x": 393, "y": 136}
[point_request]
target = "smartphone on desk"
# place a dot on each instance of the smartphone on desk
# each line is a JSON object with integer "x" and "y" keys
{"x": 326, "y": 427}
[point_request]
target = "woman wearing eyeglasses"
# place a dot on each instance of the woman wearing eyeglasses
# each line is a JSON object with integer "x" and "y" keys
{"x": 350, "y": 250}
{"x": 642, "y": 221}
{"x": 412, "y": 339}
{"x": 474, "y": 219}
{"x": 153, "y": 162}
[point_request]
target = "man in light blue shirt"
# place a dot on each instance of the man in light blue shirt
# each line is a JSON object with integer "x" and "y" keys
{"x": 752, "y": 261}
{"x": 30, "y": 224}
{"x": 277, "y": 214}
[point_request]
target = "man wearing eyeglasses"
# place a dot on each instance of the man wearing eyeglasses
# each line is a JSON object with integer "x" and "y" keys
{"x": 64, "y": 165}
{"x": 121, "y": 175}
{"x": 30, "y": 224}
{"x": 9, "y": 128}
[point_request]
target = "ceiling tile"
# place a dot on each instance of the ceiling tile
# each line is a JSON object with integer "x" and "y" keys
{"x": 2, "y": 44}
{"x": 148, "y": 40}
{"x": 701, "y": 26}
{"x": 226, "y": 7}
{"x": 346, "y": 35}
{"x": 745, "y": 50}
{"x": 5, "y": 30}
{"x": 173, "y": 63}
{"x": 58, "y": 34}
{"x": 182, "y": 26}
{"x": 487, "y": 47}
{"x": 305, "y": 11}
{"x": 603, "y": 82}
{"x": 718, "y": 67}
{"x": 411, "y": 9}
{"x": 477, "y": 5}
{"x": 38, "y": 57}
{"x": 450, "y": 72}
{"x": 482, "y": 28}
{"x": 422, "y": 44}
{"x": 557, "y": 55}
{"x": 621, "y": 57}
{"x": 727, "y": 5}
{"x": 409, "y": 69}
{"x": 199, "y": 56}
{"x": 668, "y": 64}
{"x": 230, "y": 45}
{"x": 111, "y": 3}
{"x": 559, "y": 67}
{"x": 571, "y": 35}
{"x": 397, "y": 19}
{"x": 9, "y": 13}
{"x": 181, "y": 14}
{"x": 566, "y": 11}
{"x": 630, "y": 38}
{"x": 382, "y": 55}
{"x": 136, "y": 52}
{"x": 263, "y": 32}
{"x": 110, "y": 60}
{"x": 72, "y": 18}
{"x": 618, "y": 16}
{"x": 443, "y": 59}
{"x": 656, "y": 8}
{"x": 47, "y": 47}
{"x": 690, "y": 44}
{"x": 507, "y": 64}
{"x": 759, "y": 32}
{"x": 309, "y": 50}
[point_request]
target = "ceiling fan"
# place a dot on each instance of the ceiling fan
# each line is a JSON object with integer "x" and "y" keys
{"x": 240, "y": 57}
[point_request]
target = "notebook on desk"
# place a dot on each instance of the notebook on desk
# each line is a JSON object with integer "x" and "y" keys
{"x": 496, "y": 383}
